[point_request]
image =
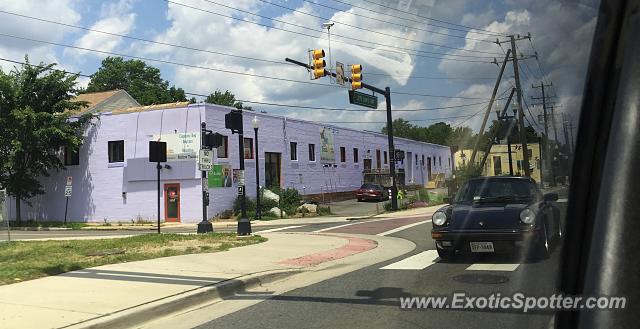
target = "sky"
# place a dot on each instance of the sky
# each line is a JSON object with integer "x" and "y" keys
{"x": 431, "y": 53}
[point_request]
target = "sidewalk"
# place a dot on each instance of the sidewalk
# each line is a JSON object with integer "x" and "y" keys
{"x": 123, "y": 295}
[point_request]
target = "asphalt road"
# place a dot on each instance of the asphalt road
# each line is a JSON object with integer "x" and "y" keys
{"x": 369, "y": 297}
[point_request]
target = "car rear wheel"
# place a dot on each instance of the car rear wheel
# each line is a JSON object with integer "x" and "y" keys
{"x": 359, "y": 199}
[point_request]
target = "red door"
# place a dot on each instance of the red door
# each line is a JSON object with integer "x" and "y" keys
{"x": 172, "y": 202}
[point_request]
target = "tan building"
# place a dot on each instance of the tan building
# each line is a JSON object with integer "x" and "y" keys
{"x": 497, "y": 163}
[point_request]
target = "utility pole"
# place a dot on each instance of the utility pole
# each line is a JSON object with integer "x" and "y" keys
{"x": 523, "y": 133}
{"x": 387, "y": 95}
{"x": 549, "y": 155}
{"x": 486, "y": 114}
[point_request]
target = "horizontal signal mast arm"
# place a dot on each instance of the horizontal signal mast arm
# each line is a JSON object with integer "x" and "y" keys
{"x": 327, "y": 72}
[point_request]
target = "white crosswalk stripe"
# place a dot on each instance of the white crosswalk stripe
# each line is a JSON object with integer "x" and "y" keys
{"x": 493, "y": 267}
{"x": 415, "y": 262}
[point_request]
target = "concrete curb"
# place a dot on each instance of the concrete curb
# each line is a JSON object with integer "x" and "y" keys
{"x": 146, "y": 312}
{"x": 41, "y": 229}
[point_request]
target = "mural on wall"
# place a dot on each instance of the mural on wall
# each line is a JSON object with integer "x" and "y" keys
{"x": 220, "y": 176}
{"x": 181, "y": 146}
{"x": 327, "y": 154}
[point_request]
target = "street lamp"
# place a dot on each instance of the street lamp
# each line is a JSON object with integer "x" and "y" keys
{"x": 256, "y": 125}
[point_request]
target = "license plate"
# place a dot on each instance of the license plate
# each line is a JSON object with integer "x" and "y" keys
{"x": 481, "y": 246}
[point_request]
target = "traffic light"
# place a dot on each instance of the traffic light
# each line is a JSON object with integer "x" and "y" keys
{"x": 233, "y": 121}
{"x": 356, "y": 76}
{"x": 318, "y": 63}
{"x": 213, "y": 140}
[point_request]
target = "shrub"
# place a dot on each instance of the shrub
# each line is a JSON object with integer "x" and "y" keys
{"x": 323, "y": 211}
{"x": 423, "y": 194}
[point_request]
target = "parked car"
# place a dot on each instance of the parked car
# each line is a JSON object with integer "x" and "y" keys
{"x": 497, "y": 215}
{"x": 370, "y": 191}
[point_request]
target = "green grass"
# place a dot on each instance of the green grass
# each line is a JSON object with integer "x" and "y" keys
{"x": 26, "y": 260}
{"x": 44, "y": 224}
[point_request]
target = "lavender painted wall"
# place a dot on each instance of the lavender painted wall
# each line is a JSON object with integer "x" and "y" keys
{"x": 127, "y": 191}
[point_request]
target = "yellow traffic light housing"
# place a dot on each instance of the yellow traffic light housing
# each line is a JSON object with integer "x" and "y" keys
{"x": 356, "y": 76}
{"x": 318, "y": 63}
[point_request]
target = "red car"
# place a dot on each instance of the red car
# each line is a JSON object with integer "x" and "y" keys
{"x": 370, "y": 191}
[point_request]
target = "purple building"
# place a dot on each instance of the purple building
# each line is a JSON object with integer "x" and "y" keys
{"x": 113, "y": 180}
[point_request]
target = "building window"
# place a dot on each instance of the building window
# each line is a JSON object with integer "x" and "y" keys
{"x": 343, "y": 154}
{"x": 224, "y": 148}
{"x": 440, "y": 161}
{"x": 416, "y": 159}
{"x": 312, "y": 152}
{"x": 378, "y": 159}
{"x": 248, "y": 148}
{"x": 386, "y": 158}
{"x": 71, "y": 157}
{"x": 116, "y": 151}
{"x": 355, "y": 155}
{"x": 422, "y": 162}
{"x": 294, "y": 151}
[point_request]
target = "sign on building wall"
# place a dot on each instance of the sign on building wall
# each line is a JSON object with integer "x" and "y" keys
{"x": 220, "y": 176}
{"x": 181, "y": 146}
{"x": 327, "y": 154}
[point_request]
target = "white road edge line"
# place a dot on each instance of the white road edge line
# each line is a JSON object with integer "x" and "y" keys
{"x": 279, "y": 229}
{"x": 332, "y": 227}
{"x": 401, "y": 228}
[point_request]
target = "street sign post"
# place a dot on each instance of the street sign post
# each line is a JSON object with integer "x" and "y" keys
{"x": 68, "y": 190}
{"x": 340, "y": 73}
{"x": 363, "y": 99}
{"x": 205, "y": 160}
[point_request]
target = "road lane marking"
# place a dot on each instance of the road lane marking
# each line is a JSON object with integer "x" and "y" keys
{"x": 401, "y": 228}
{"x": 333, "y": 227}
{"x": 415, "y": 262}
{"x": 279, "y": 229}
{"x": 493, "y": 267}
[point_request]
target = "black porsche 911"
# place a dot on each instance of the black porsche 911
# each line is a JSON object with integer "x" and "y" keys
{"x": 498, "y": 215}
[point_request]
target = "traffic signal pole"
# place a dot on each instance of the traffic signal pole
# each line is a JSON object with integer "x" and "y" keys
{"x": 387, "y": 95}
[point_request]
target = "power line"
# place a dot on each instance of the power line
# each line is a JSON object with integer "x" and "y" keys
{"x": 201, "y": 67}
{"x": 465, "y": 28}
{"x": 375, "y": 19}
{"x": 267, "y": 103}
{"x": 341, "y": 36}
{"x": 211, "y": 51}
{"x": 318, "y": 37}
{"x": 410, "y": 120}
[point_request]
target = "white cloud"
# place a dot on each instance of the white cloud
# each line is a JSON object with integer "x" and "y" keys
{"x": 563, "y": 55}
{"x": 116, "y": 17}
{"x": 14, "y": 49}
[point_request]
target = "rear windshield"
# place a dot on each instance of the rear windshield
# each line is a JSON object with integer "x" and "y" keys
{"x": 369, "y": 186}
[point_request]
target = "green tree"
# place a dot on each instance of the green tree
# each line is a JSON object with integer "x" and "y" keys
{"x": 461, "y": 137}
{"x": 226, "y": 99}
{"x": 403, "y": 128}
{"x": 438, "y": 133}
{"x": 35, "y": 121}
{"x": 141, "y": 81}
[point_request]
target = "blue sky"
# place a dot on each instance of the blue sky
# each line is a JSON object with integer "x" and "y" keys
{"x": 562, "y": 56}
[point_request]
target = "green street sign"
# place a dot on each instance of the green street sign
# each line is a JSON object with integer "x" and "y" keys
{"x": 362, "y": 99}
